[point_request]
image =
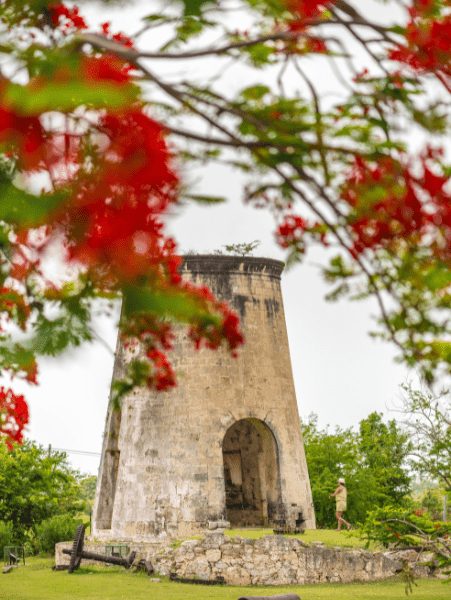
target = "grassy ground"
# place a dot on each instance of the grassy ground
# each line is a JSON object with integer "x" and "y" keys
{"x": 36, "y": 581}
{"x": 328, "y": 537}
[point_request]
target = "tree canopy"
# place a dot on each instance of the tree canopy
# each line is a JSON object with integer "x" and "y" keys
{"x": 35, "y": 486}
{"x": 94, "y": 136}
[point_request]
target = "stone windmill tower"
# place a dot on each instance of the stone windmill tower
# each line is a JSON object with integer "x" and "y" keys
{"x": 227, "y": 442}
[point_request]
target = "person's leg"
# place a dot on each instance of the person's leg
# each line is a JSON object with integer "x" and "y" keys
{"x": 339, "y": 519}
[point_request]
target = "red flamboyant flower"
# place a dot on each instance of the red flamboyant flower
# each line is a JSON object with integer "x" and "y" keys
{"x": 428, "y": 47}
{"x": 163, "y": 377}
{"x": 291, "y": 233}
{"x": 120, "y": 37}
{"x": 65, "y": 18}
{"x": 394, "y": 203}
{"x": 13, "y": 417}
{"x": 113, "y": 218}
{"x": 105, "y": 68}
{"x": 24, "y": 137}
{"x": 304, "y": 11}
{"x": 384, "y": 201}
{"x": 307, "y": 9}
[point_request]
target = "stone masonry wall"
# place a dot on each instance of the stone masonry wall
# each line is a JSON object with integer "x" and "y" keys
{"x": 162, "y": 474}
{"x": 271, "y": 560}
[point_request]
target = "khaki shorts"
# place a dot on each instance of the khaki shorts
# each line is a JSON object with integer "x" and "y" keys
{"x": 341, "y": 506}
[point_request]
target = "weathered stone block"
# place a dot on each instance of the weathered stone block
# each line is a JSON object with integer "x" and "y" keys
{"x": 190, "y": 544}
{"x": 237, "y": 576}
{"x": 213, "y": 555}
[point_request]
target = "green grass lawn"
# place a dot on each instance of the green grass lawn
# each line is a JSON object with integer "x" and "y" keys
{"x": 36, "y": 581}
{"x": 327, "y": 536}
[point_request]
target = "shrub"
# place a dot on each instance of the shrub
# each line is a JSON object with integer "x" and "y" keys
{"x": 57, "y": 529}
{"x": 6, "y": 536}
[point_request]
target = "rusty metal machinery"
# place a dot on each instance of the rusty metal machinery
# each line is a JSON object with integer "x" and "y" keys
{"x": 77, "y": 554}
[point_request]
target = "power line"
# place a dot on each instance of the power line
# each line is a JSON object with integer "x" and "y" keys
{"x": 74, "y": 451}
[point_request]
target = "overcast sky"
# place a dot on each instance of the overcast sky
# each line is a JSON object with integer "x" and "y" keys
{"x": 340, "y": 373}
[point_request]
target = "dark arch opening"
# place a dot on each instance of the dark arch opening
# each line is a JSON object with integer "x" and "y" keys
{"x": 251, "y": 473}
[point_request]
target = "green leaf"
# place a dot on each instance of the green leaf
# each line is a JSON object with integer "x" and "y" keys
{"x": 341, "y": 290}
{"x": 255, "y": 92}
{"x": 21, "y": 208}
{"x": 194, "y": 7}
{"x": 68, "y": 96}
{"x": 438, "y": 278}
{"x": 208, "y": 200}
{"x": 54, "y": 336}
{"x": 179, "y": 305}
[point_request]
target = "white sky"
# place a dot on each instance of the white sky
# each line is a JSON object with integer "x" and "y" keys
{"x": 339, "y": 371}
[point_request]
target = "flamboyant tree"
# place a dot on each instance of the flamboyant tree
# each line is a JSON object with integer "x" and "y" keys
{"x": 87, "y": 172}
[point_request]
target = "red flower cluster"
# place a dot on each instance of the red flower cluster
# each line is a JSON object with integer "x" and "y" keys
{"x": 22, "y": 137}
{"x": 292, "y": 231}
{"x": 66, "y": 18}
{"x": 304, "y": 11}
{"x": 392, "y": 204}
{"x": 428, "y": 47}
{"x": 106, "y": 68}
{"x": 13, "y": 417}
{"x": 113, "y": 180}
{"x": 210, "y": 334}
{"x": 163, "y": 376}
{"x": 119, "y": 37}
{"x": 112, "y": 221}
{"x": 307, "y": 9}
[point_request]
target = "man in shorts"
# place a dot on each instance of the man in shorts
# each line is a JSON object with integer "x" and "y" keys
{"x": 341, "y": 496}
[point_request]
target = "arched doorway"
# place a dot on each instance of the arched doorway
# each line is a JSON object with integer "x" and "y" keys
{"x": 251, "y": 473}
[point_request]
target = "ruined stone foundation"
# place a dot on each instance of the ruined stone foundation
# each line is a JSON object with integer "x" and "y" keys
{"x": 226, "y": 444}
{"x": 271, "y": 560}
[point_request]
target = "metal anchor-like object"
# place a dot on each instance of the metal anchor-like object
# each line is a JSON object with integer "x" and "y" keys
{"x": 77, "y": 554}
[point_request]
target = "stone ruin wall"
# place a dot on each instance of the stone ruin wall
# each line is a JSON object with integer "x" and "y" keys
{"x": 271, "y": 560}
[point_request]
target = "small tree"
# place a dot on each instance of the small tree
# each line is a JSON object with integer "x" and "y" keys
{"x": 373, "y": 462}
{"x": 426, "y": 418}
{"x": 242, "y": 249}
{"x": 385, "y": 449}
{"x": 35, "y": 486}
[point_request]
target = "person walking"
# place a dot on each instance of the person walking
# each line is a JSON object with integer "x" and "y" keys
{"x": 341, "y": 497}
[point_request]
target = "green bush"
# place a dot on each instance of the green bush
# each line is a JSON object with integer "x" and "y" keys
{"x": 57, "y": 529}
{"x": 6, "y": 536}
